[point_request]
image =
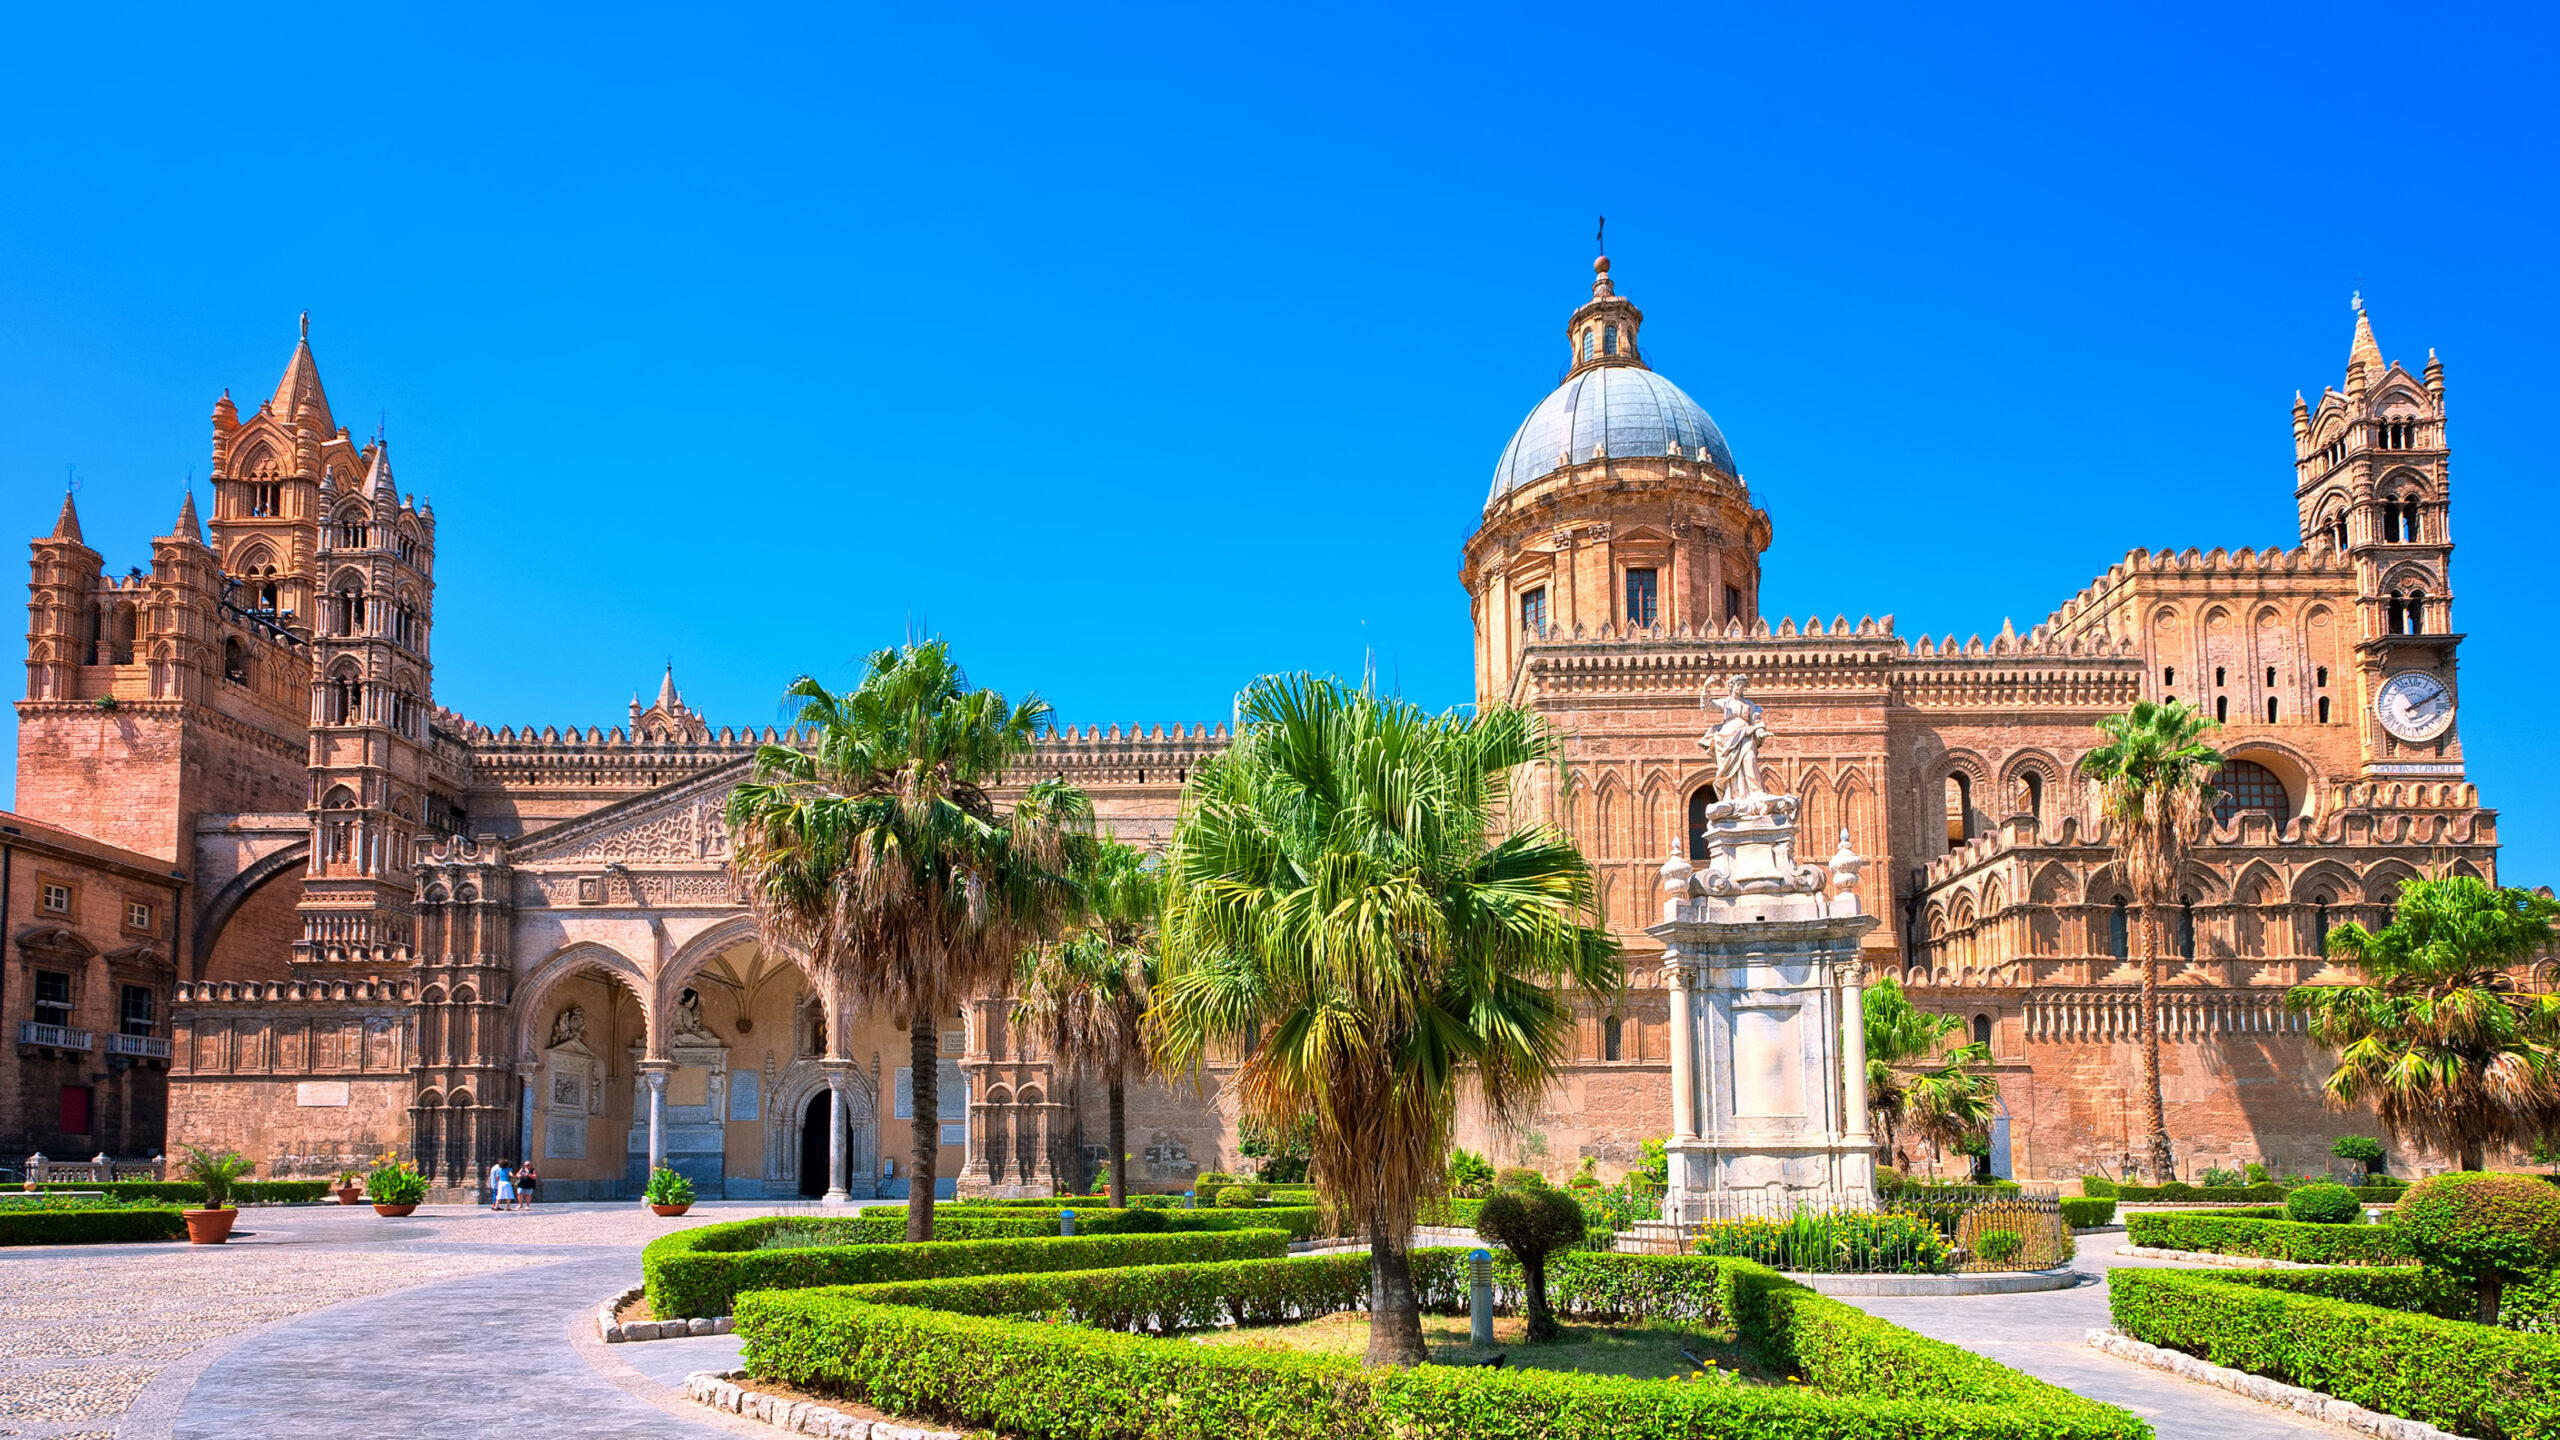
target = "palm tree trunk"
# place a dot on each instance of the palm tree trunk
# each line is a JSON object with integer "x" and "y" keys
{"x": 2155, "y": 1117}
{"x": 1118, "y": 1126}
{"x": 924, "y": 1129}
{"x": 2475, "y": 1155}
{"x": 1395, "y": 1313}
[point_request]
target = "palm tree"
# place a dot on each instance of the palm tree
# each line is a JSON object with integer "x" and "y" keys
{"x": 2452, "y": 1052}
{"x": 1945, "y": 1103}
{"x": 1085, "y": 995}
{"x": 874, "y": 854}
{"x": 2155, "y": 790}
{"x": 1352, "y": 908}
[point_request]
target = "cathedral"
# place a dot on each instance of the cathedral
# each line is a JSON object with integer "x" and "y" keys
{"x": 265, "y": 893}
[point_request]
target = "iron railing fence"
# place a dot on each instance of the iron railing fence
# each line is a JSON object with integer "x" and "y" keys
{"x": 1918, "y": 1231}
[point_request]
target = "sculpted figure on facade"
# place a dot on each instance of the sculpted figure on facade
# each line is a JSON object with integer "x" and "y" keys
{"x": 1734, "y": 740}
{"x": 568, "y": 1025}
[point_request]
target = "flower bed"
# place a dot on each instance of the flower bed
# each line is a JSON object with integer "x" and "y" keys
{"x": 187, "y": 1192}
{"x": 947, "y": 1349}
{"x": 699, "y": 1272}
{"x": 2270, "y": 1238}
{"x": 74, "y": 1222}
{"x": 2385, "y": 1339}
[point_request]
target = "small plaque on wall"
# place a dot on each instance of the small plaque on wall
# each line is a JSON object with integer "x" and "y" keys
{"x": 742, "y": 1094}
{"x": 565, "y": 1139}
{"x": 320, "y": 1092}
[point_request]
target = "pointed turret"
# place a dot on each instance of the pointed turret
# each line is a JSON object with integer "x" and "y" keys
{"x": 667, "y": 700}
{"x": 299, "y": 398}
{"x": 2364, "y": 350}
{"x": 188, "y": 527}
{"x": 377, "y": 475}
{"x": 68, "y": 526}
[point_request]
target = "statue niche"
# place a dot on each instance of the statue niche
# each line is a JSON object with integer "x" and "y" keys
{"x": 576, "y": 1089}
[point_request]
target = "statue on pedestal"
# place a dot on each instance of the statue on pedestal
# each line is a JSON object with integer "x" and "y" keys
{"x": 1734, "y": 740}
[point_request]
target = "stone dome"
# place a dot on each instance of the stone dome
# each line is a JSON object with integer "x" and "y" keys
{"x": 1624, "y": 410}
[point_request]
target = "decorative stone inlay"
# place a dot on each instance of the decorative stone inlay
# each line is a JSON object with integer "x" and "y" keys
{"x": 614, "y": 1332}
{"x": 2269, "y": 1392}
{"x": 721, "y": 1390}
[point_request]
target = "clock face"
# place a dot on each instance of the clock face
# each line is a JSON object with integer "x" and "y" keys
{"x": 2414, "y": 707}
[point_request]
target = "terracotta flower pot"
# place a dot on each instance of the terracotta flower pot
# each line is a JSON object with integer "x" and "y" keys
{"x": 209, "y": 1227}
{"x": 395, "y": 1209}
{"x": 349, "y": 1194}
{"x": 657, "y": 1208}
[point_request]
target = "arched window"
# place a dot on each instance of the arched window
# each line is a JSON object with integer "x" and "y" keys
{"x": 2271, "y": 709}
{"x": 2247, "y": 785}
{"x": 344, "y": 704}
{"x": 235, "y": 661}
{"x": 353, "y": 533}
{"x": 1982, "y": 1031}
{"x": 1959, "y": 808}
{"x": 2119, "y": 932}
{"x": 408, "y": 548}
{"x": 2187, "y": 927}
{"x": 1613, "y": 1039}
{"x": 2035, "y": 794}
{"x": 1608, "y": 339}
{"x": 1699, "y": 800}
{"x": 2320, "y": 925}
{"x": 2221, "y": 708}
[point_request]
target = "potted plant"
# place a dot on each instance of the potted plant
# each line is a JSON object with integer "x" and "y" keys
{"x": 669, "y": 1193}
{"x": 349, "y": 1186}
{"x": 216, "y": 1173}
{"x": 395, "y": 1186}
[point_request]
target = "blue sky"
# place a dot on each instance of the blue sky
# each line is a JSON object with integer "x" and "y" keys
{"x": 1143, "y": 352}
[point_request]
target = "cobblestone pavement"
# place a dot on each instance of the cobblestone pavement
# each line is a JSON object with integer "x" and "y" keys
{"x": 2043, "y": 1334}
{"x": 110, "y": 1340}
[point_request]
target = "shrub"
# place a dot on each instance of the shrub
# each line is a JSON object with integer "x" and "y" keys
{"x": 1235, "y": 1197}
{"x": 243, "y": 1192}
{"x": 903, "y": 1348}
{"x": 2491, "y": 1230}
{"x": 394, "y": 1181}
{"x": 2376, "y": 1338}
{"x": 2097, "y": 1187}
{"x": 2217, "y": 1178}
{"x": 2177, "y": 1190}
{"x": 700, "y": 1272}
{"x": 666, "y": 1187}
{"x": 2363, "y": 1149}
{"x": 2271, "y": 1239}
{"x": 1469, "y": 1172}
{"x": 1839, "y": 1241}
{"x": 1008, "y": 1222}
{"x": 1518, "y": 1177}
{"x": 1999, "y": 1245}
{"x": 91, "y": 1223}
{"x": 1211, "y": 1180}
{"x": 1530, "y": 1225}
{"x": 2324, "y": 1204}
{"x": 2085, "y": 1214}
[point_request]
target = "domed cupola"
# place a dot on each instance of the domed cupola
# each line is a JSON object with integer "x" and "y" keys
{"x": 1611, "y": 404}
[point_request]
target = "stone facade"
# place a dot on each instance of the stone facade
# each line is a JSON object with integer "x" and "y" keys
{"x": 395, "y": 926}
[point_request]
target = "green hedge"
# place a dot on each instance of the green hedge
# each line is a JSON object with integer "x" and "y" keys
{"x": 2083, "y": 1214}
{"x": 2364, "y": 1336}
{"x": 2272, "y": 1239}
{"x": 89, "y": 1226}
{"x": 1303, "y": 1222}
{"x": 700, "y": 1272}
{"x": 905, "y": 1349}
{"x": 182, "y": 1192}
{"x": 2180, "y": 1190}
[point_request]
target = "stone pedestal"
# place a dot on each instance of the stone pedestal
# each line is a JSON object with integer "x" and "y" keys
{"x": 1769, "y": 1100}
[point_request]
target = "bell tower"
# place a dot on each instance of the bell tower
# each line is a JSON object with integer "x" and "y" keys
{"x": 2373, "y": 481}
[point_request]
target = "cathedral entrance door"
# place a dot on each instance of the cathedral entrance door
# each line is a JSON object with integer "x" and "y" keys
{"x": 813, "y": 1147}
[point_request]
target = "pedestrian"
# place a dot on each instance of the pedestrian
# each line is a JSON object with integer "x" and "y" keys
{"x": 502, "y": 1186}
{"x": 527, "y": 1180}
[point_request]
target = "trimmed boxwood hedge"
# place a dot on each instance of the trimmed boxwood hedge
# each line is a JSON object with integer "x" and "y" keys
{"x": 2382, "y": 1339}
{"x": 2271, "y": 1238}
{"x": 184, "y": 1192}
{"x": 699, "y": 1272}
{"x": 1303, "y": 1222}
{"x": 2083, "y": 1214}
{"x": 911, "y": 1349}
{"x": 91, "y": 1226}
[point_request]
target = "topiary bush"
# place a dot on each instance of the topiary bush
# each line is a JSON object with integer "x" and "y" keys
{"x": 2363, "y": 1149}
{"x": 1518, "y": 1177}
{"x": 2088, "y": 1213}
{"x": 2267, "y": 1235}
{"x": 2323, "y": 1204}
{"x": 2491, "y": 1230}
{"x": 1235, "y": 1197}
{"x": 1530, "y": 1225}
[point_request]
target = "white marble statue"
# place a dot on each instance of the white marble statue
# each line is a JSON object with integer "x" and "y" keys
{"x": 1734, "y": 741}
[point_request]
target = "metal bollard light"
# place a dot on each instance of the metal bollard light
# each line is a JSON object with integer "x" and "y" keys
{"x": 1066, "y": 1222}
{"x": 1480, "y": 1296}
{"x": 1190, "y": 1200}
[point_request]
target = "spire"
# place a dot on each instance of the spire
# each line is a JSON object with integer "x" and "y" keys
{"x": 188, "y": 527}
{"x": 377, "y": 476}
{"x": 68, "y": 527}
{"x": 299, "y": 397}
{"x": 2364, "y": 350}
{"x": 667, "y": 690}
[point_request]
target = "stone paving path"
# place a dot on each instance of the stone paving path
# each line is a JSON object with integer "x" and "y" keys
{"x": 328, "y": 1321}
{"x": 2044, "y": 1334}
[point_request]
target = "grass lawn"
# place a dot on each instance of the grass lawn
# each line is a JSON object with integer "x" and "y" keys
{"x": 1644, "y": 1351}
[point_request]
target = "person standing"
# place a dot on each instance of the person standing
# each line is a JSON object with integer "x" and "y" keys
{"x": 528, "y": 1180}
{"x": 502, "y": 1187}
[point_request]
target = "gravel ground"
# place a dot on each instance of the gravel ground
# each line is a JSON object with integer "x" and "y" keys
{"x": 85, "y": 1329}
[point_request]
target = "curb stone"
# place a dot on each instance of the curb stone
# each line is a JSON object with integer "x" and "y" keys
{"x": 2268, "y": 1392}
{"x": 720, "y": 1390}
{"x": 623, "y": 1333}
{"x": 2213, "y": 1257}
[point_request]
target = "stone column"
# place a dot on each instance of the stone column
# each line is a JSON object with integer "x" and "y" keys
{"x": 1684, "y": 1048}
{"x": 528, "y": 1078}
{"x": 654, "y": 1072}
{"x": 1853, "y": 1050}
{"x": 834, "y": 1070}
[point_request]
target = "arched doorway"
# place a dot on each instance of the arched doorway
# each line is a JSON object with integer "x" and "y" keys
{"x": 813, "y": 1145}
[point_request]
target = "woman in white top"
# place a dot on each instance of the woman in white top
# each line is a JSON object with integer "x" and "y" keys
{"x": 502, "y": 1186}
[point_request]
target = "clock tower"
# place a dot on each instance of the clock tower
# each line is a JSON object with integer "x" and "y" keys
{"x": 2373, "y": 481}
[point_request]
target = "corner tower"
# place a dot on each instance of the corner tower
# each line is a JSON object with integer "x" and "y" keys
{"x": 1616, "y": 509}
{"x": 2373, "y": 481}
